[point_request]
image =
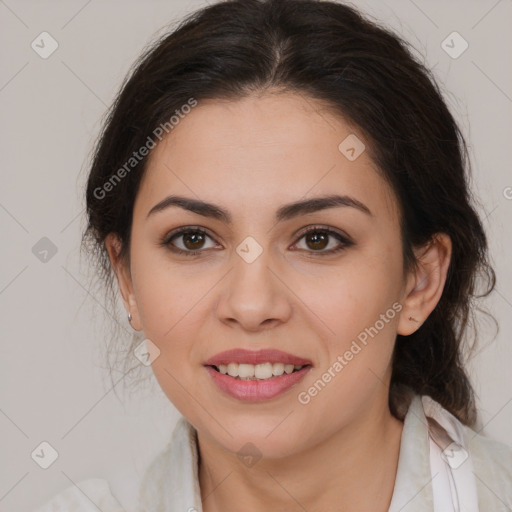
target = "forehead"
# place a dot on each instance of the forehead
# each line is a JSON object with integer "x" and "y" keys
{"x": 263, "y": 150}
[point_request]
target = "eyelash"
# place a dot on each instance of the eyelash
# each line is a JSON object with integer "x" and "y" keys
{"x": 345, "y": 242}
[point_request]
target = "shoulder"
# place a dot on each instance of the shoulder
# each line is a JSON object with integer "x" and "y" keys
{"x": 489, "y": 452}
{"x": 171, "y": 480}
{"x": 492, "y": 466}
{"x": 490, "y": 460}
{"x": 88, "y": 495}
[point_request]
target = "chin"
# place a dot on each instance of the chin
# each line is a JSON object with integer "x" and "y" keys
{"x": 269, "y": 438}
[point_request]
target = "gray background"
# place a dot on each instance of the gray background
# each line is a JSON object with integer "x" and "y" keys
{"x": 53, "y": 383}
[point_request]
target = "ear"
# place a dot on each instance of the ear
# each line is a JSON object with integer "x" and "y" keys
{"x": 425, "y": 283}
{"x": 124, "y": 278}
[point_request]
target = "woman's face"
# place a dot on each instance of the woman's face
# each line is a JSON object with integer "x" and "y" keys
{"x": 257, "y": 283}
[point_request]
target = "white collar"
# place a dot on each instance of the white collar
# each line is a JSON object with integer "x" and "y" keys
{"x": 172, "y": 483}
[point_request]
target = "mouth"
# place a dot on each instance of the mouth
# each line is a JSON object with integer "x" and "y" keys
{"x": 262, "y": 371}
{"x": 256, "y": 375}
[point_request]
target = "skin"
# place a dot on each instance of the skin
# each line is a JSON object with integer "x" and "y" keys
{"x": 340, "y": 451}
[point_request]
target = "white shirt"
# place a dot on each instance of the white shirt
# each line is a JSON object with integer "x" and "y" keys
{"x": 443, "y": 466}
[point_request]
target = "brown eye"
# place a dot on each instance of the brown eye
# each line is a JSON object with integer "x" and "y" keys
{"x": 193, "y": 240}
{"x": 188, "y": 241}
{"x": 317, "y": 239}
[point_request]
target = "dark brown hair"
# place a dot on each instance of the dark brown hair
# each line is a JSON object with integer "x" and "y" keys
{"x": 360, "y": 70}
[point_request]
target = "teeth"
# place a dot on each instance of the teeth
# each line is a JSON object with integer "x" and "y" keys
{"x": 263, "y": 371}
{"x": 257, "y": 372}
{"x": 233, "y": 369}
{"x": 278, "y": 368}
{"x": 247, "y": 370}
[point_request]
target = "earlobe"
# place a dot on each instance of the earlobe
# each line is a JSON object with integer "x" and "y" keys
{"x": 124, "y": 280}
{"x": 425, "y": 283}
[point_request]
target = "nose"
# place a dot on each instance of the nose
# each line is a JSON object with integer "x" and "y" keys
{"x": 254, "y": 296}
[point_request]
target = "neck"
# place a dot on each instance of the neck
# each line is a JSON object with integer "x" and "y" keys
{"x": 352, "y": 470}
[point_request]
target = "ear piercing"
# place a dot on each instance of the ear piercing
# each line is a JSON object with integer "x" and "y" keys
{"x": 413, "y": 319}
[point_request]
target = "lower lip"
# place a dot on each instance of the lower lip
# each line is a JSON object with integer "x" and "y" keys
{"x": 256, "y": 390}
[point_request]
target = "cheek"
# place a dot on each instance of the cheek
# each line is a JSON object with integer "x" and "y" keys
{"x": 165, "y": 292}
{"x": 360, "y": 306}
{"x": 353, "y": 295}
{"x": 365, "y": 332}
{"x": 171, "y": 305}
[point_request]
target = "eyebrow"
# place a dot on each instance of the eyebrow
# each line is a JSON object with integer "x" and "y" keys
{"x": 286, "y": 212}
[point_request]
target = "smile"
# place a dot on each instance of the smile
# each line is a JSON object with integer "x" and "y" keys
{"x": 262, "y": 371}
{"x": 256, "y": 375}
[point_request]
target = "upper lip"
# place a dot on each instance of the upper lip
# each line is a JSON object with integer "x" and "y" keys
{"x": 240, "y": 355}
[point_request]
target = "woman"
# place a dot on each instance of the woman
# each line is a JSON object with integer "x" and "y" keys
{"x": 282, "y": 196}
